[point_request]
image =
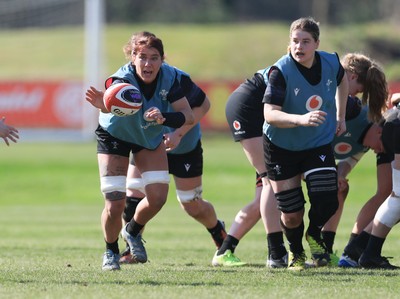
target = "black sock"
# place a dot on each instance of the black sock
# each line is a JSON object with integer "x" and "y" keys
{"x": 315, "y": 232}
{"x": 355, "y": 248}
{"x": 134, "y": 228}
{"x": 130, "y": 207}
{"x": 113, "y": 246}
{"x": 218, "y": 233}
{"x": 294, "y": 237}
{"x": 352, "y": 237}
{"x": 374, "y": 247}
{"x": 328, "y": 238}
{"x": 363, "y": 239}
{"x": 229, "y": 243}
{"x": 276, "y": 245}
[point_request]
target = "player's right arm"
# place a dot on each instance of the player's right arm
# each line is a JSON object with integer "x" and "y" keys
{"x": 95, "y": 97}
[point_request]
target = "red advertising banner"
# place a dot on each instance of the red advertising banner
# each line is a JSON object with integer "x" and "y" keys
{"x": 42, "y": 104}
{"x": 59, "y": 105}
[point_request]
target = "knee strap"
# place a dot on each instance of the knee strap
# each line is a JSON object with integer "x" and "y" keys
{"x": 290, "y": 201}
{"x": 389, "y": 212}
{"x": 189, "y": 195}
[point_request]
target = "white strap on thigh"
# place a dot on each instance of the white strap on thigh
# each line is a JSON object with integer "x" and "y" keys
{"x": 113, "y": 183}
{"x": 135, "y": 184}
{"x": 155, "y": 177}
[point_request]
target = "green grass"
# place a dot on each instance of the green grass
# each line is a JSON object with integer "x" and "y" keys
{"x": 51, "y": 243}
{"x": 215, "y": 51}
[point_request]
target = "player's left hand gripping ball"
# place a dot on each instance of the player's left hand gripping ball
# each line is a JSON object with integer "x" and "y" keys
{"x": 122, "y": 99}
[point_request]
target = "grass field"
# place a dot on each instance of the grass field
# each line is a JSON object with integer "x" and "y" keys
{"x": 207, "y": 52}
{"x": 51, "y": 242}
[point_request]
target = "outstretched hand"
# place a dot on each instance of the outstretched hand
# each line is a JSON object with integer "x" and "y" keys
{"x": 8, "y": 132}
{"x": 95, "y": 97}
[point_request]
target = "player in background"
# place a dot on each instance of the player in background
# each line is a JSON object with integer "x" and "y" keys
{"x": 245, "y": 119}
{"x": 302, "y": 115}
{"x": 365, "y": 77}
{"x": 141, "y": 135}
{"x": 8, "y": 132}
{"x": 243, "y": 114}
{"x": 388, "y": 213}
{"x": 185, "y": 160}
{"x": 358, "y": 242}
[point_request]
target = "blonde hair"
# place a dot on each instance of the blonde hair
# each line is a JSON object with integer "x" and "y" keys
{"x": 371, "y": 76}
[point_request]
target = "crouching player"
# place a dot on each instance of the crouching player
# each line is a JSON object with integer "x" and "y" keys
{"x": 185, "y": 161}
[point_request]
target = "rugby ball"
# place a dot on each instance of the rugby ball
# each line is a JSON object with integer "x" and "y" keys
{"x": 122, "y": 99}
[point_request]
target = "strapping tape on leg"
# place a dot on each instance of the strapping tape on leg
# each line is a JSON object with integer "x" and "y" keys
{"x": 113, "y": 183}
{"x": 135, "y": 184}
{"x": 389, "y": 212}
{"x": 189, "y": 195}
{"x": 155, "y": 177}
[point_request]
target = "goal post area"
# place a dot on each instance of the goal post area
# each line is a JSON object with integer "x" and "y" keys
{"x": 44, "y": 103}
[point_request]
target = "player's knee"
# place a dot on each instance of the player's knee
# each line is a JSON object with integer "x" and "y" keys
{"x": 292, "y": 220}
{"x": 114, "y": 209}
{"x": 291, "y": 204}
{"x": 189, "y": 195}
{"x": 389, "y": 212}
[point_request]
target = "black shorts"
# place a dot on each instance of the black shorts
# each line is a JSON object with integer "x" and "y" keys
{"x": 245, "y": 121}
{"x": 283, "y": 164}
{"x": 188, "y": 165}
{"x": 383, "y": 158}
{"x": 107, "y": 144}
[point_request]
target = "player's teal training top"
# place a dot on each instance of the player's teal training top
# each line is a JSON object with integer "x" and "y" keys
{"x": 350, "y": 143}
{"x": 302, "y": 97}
{"x": 134, "y": 128}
